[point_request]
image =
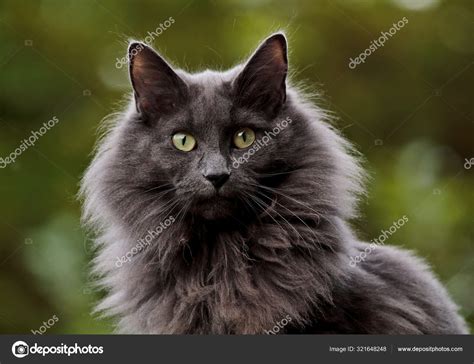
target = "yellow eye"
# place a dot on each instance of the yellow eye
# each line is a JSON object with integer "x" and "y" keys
{"x": 184, "y": 142}
{"x": 244, "y": 138}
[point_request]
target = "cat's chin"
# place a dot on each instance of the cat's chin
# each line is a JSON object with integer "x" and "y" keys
{"x": 216, "y": 208}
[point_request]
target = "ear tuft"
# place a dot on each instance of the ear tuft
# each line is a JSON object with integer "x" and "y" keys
{"x": 276, "y": 45}
{"x": 134, "y": 49}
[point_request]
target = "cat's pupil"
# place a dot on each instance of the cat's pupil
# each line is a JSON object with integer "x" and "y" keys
{"x": 244, "y": 136}
{"x": 183, "y": 141}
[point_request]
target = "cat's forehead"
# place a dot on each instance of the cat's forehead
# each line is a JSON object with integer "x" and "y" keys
{"x": 209, "y": 95}
{"x": 209, "y": 78}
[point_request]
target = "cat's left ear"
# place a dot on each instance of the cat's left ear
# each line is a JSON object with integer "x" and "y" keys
{"x": 261, "y": 85}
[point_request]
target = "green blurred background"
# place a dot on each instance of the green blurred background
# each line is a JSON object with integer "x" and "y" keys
{"x": 408, "y": 108}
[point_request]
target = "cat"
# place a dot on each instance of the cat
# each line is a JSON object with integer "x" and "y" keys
{"x": 221, "y": 204}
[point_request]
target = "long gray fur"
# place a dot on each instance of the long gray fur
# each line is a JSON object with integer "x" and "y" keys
{"x": 280, "y": 247}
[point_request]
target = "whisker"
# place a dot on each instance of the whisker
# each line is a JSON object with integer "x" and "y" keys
{"x": 278, "y": 173}
{"x": 317, "y": 214}
{"x": 256, "y": 199}
{"x": 287, "y": 196}
{"x": 158, "y": 187}
{"x": 291, "y": 212}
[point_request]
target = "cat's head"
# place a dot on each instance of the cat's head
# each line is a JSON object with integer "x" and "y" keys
{"x": 218, "y": 146}
{"x": 208, "y": 138}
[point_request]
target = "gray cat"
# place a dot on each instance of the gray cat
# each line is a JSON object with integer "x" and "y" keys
{"x": 220, "y": 203}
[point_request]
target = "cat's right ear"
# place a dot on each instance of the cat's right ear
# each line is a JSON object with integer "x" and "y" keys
{"x": 158, "y": 89}
{"x": 261, "y": 85}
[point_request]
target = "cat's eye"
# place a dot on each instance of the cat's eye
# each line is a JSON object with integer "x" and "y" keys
{"x": 244, "y": 138}
{"x": 184, "y": 142}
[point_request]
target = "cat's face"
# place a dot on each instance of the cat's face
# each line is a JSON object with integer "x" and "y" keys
{"x": 205, "y": 142}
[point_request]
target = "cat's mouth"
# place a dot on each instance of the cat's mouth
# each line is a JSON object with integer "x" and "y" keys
{"x": 214, "y": 207}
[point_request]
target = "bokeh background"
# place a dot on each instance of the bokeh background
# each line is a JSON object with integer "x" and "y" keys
{"x": 408, "y": 109}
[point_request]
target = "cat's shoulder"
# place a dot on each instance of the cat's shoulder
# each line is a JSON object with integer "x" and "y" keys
{"x": 407, "y": 281}
{"x": 393, "y": 258}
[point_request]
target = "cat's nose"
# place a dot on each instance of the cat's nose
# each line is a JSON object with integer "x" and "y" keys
{"x": 217, "y": 179}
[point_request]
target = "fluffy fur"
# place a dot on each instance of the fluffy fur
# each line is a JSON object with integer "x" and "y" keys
{"x": 274, "y": 241}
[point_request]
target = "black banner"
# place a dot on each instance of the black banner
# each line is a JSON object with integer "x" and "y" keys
{"x": 236, "y": 349}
